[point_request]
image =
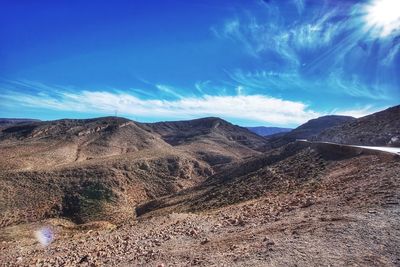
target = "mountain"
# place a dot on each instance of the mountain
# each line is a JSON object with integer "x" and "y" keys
{"x": 308, "y": 130}
{"x": 92, "y": 169}
{"x": 293, "y": 168}
{"x": 7, "y": 122}
{"x": 116, "y": 192}
{"x": 378, "y": 129}
{"x": 213, "y": 140}
{"x": 87, "y": 169}
{"x": 266, "y": 131}
{"x": 216, "y": 129}
{"x": 40, "y": 144}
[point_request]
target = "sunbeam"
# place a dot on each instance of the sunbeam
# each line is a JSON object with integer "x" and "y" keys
{"x": 383, "y": 16}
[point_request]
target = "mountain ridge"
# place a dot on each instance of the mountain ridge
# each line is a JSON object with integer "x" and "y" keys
{"x": 307, "y": 130}
{"x": 378, "y": 129}
{"x": 200, "y": 192}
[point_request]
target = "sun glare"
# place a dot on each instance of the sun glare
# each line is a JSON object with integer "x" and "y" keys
{"x": 383, "y": 16}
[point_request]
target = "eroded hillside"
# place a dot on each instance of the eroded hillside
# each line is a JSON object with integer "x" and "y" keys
{"x": 100, "y": 169}
{"x": 378, "y": 129}
{"x": 202, "y": 192}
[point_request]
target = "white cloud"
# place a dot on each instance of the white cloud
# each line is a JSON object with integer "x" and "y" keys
{"x": 258, "y": 108}
{"x": 299, "y": 5}
{"x": 168, "y": 90}
{"x": 358, "y": 112}
{"x": 335, "y": 83}
{"x": 258, "y": 37}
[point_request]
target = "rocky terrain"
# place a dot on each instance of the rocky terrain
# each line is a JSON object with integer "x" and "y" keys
{"x": 150, "y": 195}
{"x": 378, "y": 129}
{"x": 212, "y": 140}
{"x": 85, "y": 170}
{"x": 307, "y": 130}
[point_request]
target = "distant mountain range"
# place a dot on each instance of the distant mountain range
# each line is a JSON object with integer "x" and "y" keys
{"x": 266, "y": 131}
{"x": 149, "y": 160}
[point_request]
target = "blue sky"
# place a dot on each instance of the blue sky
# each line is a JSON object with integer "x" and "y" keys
{"x": 268, "y": 62}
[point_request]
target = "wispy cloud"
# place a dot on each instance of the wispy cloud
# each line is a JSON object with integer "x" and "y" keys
{"x": 299, "y": 5}
{"x": 274, "y": 36}
{"x": 334, "y": 83}
{"x": 257, "y": 108}
{"x": 327, "y": 50}
{"x": 168, "y": 90}
{"x": 239, "y": 106}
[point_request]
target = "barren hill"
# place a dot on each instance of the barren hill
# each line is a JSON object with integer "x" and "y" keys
{"x": 216, "y": 129}
{"x": 102, "y": 189}
{"x": 213, "y": 140}
{"x": 201, "y": 192}
{"x": 102, "y": 168}
{"x": 378, "y": 129}
{"x": 308, "y": 130}
{"x": 290, "y": 168}
{"x": 45, "y": 144}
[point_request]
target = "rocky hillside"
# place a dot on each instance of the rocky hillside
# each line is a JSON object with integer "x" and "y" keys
{"x": 302, "y": 204}
{"x": 216, "y": 129}
{"x": 378, "y": 129}
{"x": 290, "y": 167}
{"x": 101, "y": 168}
{"x": 213, "y": 140}
{"x": 308, "y": 130}
{"x": 105, "y": 189}
{"x": 38, "y": 145}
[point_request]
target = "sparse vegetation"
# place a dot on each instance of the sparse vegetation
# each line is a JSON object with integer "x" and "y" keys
{"x": 202, "y": 192}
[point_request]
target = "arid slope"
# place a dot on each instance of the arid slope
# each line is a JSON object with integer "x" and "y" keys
{"x": 307, "y": 130}
{"x": 169, "y": 203}
{"x": 378, "y": 129}
{"x": 100, "y": 169}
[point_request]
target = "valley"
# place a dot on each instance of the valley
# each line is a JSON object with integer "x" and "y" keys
{"x": 116, "y": 192}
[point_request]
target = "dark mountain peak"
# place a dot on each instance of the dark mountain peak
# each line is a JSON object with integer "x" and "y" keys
{"x": 325, "y": 122}
{"x": 381, "y": 129}
{"x": 391, "y": 113}
{"x": 309, "y": 129}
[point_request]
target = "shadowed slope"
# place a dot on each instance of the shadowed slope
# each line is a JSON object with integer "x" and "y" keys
{"x": 378, "y": 129}
{"x": 102, "y": 168}
{"x": 210, "y": 139}
{"x": 284, "y": 170}
{"x": 307, "y": 130}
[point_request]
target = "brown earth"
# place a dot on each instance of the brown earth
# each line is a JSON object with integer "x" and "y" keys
{"x": 102, "y": 168}
{"x": 303, "y": 204}
{"x": 346, "y": 213}
{"x": 308, "y": 130}
{"x": 378, "y": 129}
